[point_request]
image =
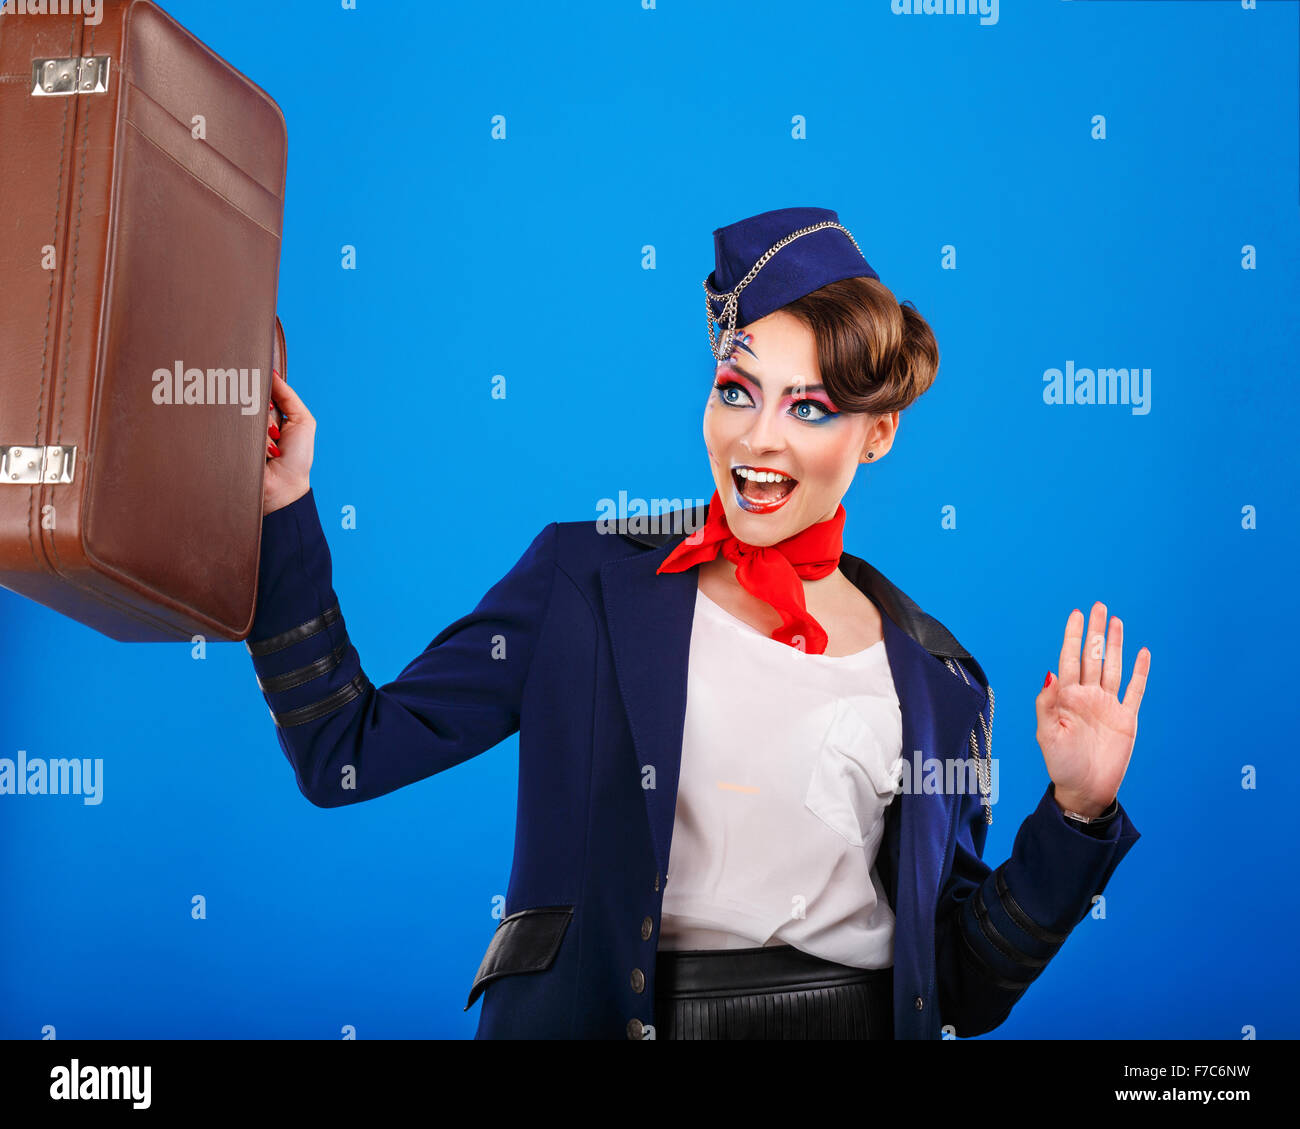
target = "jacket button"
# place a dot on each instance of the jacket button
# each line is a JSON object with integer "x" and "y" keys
{"x": 647, "y": 927}
{"x": 638, "y": 980}
{"x": 920, "y": 1003}
{"x": 634, "y": 1029}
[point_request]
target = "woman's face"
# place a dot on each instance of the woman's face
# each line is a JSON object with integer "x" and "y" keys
{"x": 768, "y": 416}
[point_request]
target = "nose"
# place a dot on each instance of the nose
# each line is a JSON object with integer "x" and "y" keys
{"x": 766, "y": 435}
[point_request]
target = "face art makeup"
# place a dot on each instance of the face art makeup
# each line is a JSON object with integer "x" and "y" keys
{"x": 742, "y": 341}
{"x": 765, "y": 489}
{"x": 782, "y": 454}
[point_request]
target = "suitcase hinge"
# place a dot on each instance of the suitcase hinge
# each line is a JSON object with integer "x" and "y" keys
{"x": 53, "y": 78}
{"x": 27, "y": 466}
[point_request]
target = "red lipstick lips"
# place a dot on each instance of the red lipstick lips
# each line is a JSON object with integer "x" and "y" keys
{"x": 761, "y": 490}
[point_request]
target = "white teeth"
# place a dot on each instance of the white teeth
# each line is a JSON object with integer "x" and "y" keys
{"x": 761, "y": 475}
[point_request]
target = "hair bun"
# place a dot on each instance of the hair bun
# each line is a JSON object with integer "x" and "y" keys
{"x": 875, "y": 354}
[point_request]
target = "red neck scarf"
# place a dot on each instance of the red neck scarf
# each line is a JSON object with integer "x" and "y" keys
{"x": 770, "y": 572}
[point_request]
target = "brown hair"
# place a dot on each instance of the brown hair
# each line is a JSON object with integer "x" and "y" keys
{"x": 875, "y": 355}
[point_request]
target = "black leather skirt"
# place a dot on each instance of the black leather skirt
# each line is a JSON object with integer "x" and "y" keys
{"x": 773, "y": 992}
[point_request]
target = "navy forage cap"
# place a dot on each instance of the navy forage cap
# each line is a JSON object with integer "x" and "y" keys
{"x": 767, "y": 261}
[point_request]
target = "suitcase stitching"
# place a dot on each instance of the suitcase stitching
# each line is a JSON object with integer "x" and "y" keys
{"x": 37, "y": 555}
{"x": 76, "y": 270}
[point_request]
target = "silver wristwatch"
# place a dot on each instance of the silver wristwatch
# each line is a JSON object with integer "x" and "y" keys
{"x": 1107, "y": 814}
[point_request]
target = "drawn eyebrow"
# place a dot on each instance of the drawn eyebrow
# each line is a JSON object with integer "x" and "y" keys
{"x": 789, "y": 388}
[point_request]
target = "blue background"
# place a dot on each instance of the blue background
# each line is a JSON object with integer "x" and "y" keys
{"x": 523, "y": 257}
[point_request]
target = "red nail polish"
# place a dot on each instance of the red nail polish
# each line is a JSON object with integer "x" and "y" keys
{"x": 275, "y": 451}
{"x": 1048, "y": 680}
{"x": 273, "y": 431}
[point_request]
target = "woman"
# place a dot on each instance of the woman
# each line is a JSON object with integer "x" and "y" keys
{"x": 718, "y": 833}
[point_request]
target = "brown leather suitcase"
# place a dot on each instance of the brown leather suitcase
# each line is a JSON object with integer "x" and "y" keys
{"x": 141, "y": 200}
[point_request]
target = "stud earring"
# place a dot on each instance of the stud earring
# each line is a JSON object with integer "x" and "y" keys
{"x": 871, "y": 454}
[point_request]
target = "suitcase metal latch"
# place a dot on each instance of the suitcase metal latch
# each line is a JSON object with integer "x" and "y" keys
{"x": 27, "y": 466}
{"x": 53, "y": 78}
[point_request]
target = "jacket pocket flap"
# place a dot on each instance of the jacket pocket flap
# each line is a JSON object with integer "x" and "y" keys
{"x": 525, "y": 941}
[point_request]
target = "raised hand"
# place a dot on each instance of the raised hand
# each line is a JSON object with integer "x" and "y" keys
{"x": 1085, "y": 731}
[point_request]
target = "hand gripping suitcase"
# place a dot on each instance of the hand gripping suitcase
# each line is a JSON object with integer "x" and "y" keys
{"x": 141, "y": 200}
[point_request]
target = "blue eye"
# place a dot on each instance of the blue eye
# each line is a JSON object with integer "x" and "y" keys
{"x": 729, "y": 392}
{"x": 820, "y": 411}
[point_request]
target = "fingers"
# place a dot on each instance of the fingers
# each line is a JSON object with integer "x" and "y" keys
{"x": 1069, "y": 661}
{"x": 1137, "y": 684}
{"x": 1113, "y": 668}
{"x": 1094, "y": 645}
{"x": 291, "y": 405}
{"x": 1103, "y": 660}
{"x": 1045, "y": 703}
{"x": 273, "y": 433}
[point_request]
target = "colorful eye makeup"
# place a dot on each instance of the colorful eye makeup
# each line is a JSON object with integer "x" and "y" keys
{"x": 736, "y": 388}
{"x": 813, "y": 410}
{"x": 733, "y": 393}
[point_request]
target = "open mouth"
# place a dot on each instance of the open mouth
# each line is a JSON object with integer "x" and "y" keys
{"x": 760, "y": 490}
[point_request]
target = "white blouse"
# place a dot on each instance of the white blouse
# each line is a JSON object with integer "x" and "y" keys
{"x": 789, "y": 761}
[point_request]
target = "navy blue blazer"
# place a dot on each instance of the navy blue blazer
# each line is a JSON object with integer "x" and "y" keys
{"x": 583, "y": 650}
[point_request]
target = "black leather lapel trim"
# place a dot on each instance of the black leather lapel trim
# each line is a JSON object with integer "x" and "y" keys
{"x": 679, "y": 523}
{"x": 525, "y": 941}
{"x": 925, "y": 629}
